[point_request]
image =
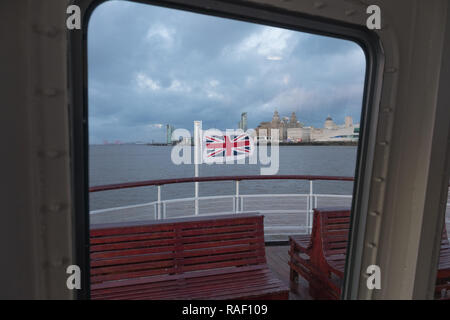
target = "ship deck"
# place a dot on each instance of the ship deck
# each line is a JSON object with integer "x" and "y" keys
{"x": 277, "y": 260}
{"x": 284, "y": 215}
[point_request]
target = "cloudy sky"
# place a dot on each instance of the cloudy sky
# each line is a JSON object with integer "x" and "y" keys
{"x": 150, "y": 66}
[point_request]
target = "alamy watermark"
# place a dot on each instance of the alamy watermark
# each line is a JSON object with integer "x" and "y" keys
{"x": 214, "y": 146}
{"x": 73, "y": 21}
{"x": 74, "y": 279}
{"x": 374, "y": 20}
{"x": 374, "y": 279}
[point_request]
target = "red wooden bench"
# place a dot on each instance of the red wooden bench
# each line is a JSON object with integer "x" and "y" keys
{"x": 443, "y": 277}
{"x": 320, "y": 258}
{"x": 219, "y": 257}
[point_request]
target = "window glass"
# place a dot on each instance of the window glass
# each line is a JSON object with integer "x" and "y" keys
{"x": 273, "y": 112}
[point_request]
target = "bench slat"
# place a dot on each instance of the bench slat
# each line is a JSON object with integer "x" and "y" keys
{"x": 326, "y": 254}
{"x": 214, "y": 287}
{"x": 186, "y": 259}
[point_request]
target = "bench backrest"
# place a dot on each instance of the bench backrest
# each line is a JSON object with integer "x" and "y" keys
{"x": 333, "y": 226}
{"x": 120, "y": 251}
{"x": 334, "y": 230}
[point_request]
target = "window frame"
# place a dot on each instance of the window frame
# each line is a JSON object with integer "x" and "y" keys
{"x": 249, "y": 12}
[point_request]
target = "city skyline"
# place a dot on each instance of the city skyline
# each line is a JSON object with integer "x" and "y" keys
{"x": 169, "y": 128}
{"x": 166, "y": 66}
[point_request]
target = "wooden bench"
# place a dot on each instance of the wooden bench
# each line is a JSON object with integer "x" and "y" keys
{"x": 220, "y": 257}
{"x": 320, "y": 258}
{"x": 443, "y": 277}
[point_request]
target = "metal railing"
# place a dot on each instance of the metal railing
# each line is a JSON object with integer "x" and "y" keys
{"x": 237, "y": 202}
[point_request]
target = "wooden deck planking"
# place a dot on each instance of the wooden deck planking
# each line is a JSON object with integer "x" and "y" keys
{"x": 277, "y": 260}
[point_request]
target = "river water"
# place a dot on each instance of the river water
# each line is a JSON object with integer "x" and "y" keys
{"x": 126, "y": 163}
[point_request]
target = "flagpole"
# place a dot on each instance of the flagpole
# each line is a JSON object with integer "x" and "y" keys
{"x": 197, "y": 157}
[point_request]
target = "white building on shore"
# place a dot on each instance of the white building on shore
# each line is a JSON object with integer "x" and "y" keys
{"x": 332, "y": 132}
{"x": 298, "y": 134}
{"x": 291, "y": 130}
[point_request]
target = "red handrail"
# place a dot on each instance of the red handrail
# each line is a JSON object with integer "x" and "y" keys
{"x": 161, "y": 182}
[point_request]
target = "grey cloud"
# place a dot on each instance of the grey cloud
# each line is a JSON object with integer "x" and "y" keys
{"x": 151, "y": 65}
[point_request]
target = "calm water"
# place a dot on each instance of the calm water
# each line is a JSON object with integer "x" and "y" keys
{"x": 126, "y": 163}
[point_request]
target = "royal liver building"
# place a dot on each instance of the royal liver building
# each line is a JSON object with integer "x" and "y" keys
{"x": 284, "y": 127}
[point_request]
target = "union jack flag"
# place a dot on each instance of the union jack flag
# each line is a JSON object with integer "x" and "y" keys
{"x": 227, "y": 146}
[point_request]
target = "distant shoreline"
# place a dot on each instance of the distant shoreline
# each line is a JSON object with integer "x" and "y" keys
{"x": 324, "y": 143}
{"x": 290, "y": 144}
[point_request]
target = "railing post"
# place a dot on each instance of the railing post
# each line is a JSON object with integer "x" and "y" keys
{"x": 164, "y": 210}
{"x": 311, "y": 205}
{"x": 160, "y": 207}
{"x": 197, "y": 158}
{"x": 196, "y": 199}
{"x": 159, "y": 202}
{"x": 308, "y": 204}
{"x": 236, "y": 207}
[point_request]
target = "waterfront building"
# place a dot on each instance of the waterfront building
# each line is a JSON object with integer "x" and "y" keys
{"x": 301, "y": 134}
{"x": 294, "y": 134}
{"x": 243, "y": 122}
{"x": 329, "y": 124}
{"x": 169, "y": 130}
{"x": 348, "y": 122}
{"x": 331, "y": 132}
{"x": 281, "y": 125}
{"x": 291, "y": 130}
